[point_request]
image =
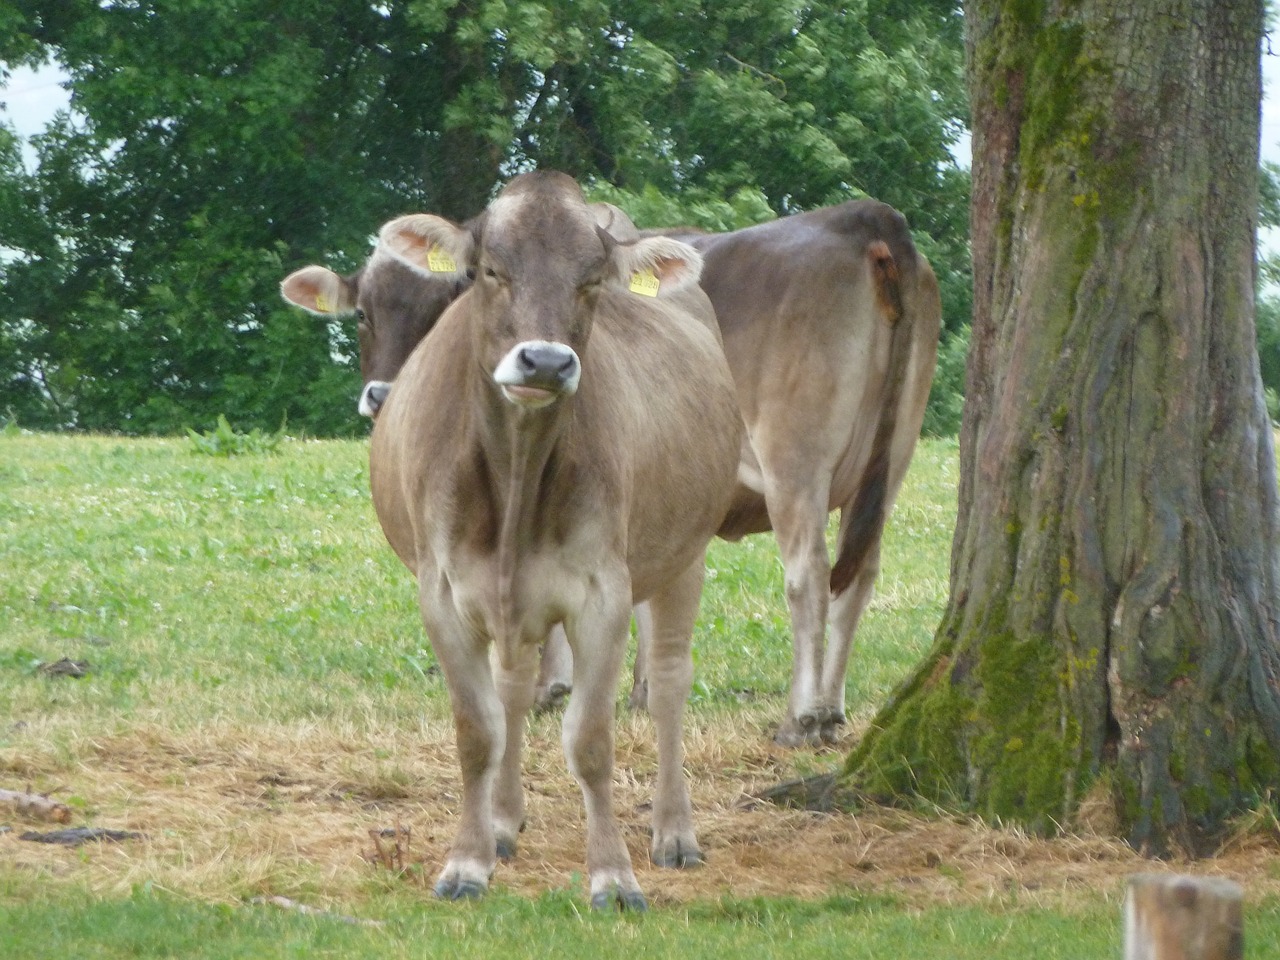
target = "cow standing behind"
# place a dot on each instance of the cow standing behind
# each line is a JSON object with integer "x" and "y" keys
{"x": 556, "y": 448}
{"x": 830, "y": 321}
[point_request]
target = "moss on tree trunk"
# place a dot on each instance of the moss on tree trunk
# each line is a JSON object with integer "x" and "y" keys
{"x": 1113, "y": 610}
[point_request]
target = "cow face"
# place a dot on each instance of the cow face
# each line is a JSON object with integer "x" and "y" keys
{"x": 394, "y": 306}
{"x": 542, "y": 269}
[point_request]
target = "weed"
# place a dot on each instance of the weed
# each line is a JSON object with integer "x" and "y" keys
{"x": 225, "y": 441}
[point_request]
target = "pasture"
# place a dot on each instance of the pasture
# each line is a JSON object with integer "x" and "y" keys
{"x": 259, "y": 704}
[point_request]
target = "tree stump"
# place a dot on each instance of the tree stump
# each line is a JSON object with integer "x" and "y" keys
{"x": 1183, "y": 918}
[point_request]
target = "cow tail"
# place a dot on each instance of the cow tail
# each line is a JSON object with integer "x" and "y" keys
{"x": 868, "y": 513}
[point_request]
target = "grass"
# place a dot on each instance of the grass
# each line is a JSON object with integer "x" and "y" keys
{"x": 260, "y": 696}
{"x": 260, "y": 588}
{"x": 150, "y": 925}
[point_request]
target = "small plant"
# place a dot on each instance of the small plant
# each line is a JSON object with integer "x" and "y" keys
{"x": 225, "y": 441}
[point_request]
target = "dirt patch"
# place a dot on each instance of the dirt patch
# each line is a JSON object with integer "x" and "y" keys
{"x": 227, "y": 814}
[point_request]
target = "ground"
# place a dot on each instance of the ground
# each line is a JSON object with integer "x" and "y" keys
{"x": 311, "y": 814}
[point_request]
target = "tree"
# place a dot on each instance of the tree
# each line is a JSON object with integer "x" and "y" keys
{"x": 1112, "y": 625}
{"x": 212, "y": 146}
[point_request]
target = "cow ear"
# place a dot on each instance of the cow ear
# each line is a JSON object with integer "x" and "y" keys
{"x": 656, "y": 266}
{"x": 428, "y": 244}
{"x": 614, "y": 221}
{"x": 319, "y": 290}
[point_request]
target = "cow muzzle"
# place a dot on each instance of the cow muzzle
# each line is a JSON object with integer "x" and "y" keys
{"x": 536, "y": 373}
{"x": 373, "y": 396}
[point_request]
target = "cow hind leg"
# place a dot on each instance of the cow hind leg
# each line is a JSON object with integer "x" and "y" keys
{"x": 670, "y": 681}
{"x": 599, "y": 640}
{"x": 555, "y": 673}
{"x": 638, "y": 702}
{"x": 799, "y": 522}
{"x": 847, "y": 608}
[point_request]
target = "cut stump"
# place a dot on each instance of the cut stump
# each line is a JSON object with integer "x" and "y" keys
{"x": 1183, "y": 918}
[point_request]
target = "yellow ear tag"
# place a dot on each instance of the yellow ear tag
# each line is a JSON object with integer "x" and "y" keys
{"x": 645, "y": 283}
{"x": 322, "y": 303}
{"x": 438, "y": 261}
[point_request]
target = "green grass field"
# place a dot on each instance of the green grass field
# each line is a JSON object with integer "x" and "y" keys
{"x": 258, "y": 695}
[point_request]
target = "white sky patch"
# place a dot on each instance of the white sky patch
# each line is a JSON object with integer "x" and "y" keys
{"x": 28, "y": 101}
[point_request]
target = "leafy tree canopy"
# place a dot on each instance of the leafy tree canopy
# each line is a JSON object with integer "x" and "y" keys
{"x": 213, "y": 145}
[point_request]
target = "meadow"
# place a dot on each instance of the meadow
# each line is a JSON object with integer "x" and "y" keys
{"x": 221, "y": 655}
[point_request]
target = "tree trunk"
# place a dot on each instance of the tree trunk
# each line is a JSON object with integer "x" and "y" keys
{"x": 1112, "y": 626}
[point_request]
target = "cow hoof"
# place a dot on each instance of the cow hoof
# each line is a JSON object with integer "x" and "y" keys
{"x": 458, "y": 889}
{"x": 678, "y": 854}
{"x": 793, "y": 734}
{"x": 638, "y": 702}
{"x": 551, "y": 699}
{"x": 619, "y": 899}
{"x": 506, "y": 849}
{"x": 831, "y": 728}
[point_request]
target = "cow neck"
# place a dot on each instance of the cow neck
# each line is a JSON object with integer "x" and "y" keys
{"x": 520, "y": 451}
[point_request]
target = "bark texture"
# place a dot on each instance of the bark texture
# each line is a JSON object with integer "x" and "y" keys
{"x": 1112, "y": 627}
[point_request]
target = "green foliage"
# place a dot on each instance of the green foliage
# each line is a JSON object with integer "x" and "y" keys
{"x": 946, "y": 396}
{"x": 694, "y": 208}
{"x": 1269, "y": 195}
{"x": 224, "y": 441}
{"x": 211, "y": 148}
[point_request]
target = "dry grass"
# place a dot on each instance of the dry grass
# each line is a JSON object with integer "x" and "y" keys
{"x": 231, "y": 813}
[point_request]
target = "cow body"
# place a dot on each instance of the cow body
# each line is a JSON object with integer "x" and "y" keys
{"x": 535, "y": 466}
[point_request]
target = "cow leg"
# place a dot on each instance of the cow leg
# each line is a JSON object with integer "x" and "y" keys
{"x": 639, "y": 699}
{"x": 555, "y": 672}
{"x": 799, "y": 520}
{"x": 515, "y": 682}
{"x": 670, "y": 680}
{"x": 598, "y": 638}
{"x": 479, "y": 725}
{"x": 846, "y": 612}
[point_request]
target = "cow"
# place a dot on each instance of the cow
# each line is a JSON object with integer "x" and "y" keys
{"x": 561, "y": 444}
{"x": 830, "y": 321}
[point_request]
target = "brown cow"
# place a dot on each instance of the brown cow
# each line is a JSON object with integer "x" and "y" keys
{"x": 556, "y": 448}
{"x": 830, "y": 322}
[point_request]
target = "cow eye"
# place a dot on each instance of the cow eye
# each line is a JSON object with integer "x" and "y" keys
{"x": 360, "y": 317}
{"x": 491, "y": 273}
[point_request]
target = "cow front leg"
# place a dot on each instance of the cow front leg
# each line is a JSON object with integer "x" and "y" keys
{"x": 515, "y": 682}
{"x": 480, "y": 728}
{"x": 674, "y": 611}
{"x": 598, "y": 638}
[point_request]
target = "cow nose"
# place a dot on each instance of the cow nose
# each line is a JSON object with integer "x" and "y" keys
{"x": 373, "y": 397}
{"x": 534, "y": 373}
{"x": 545, "y": 362}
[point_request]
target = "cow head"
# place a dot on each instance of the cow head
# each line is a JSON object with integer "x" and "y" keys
{"x": 542, "y": 267}
{"x": 394, "y": 308}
